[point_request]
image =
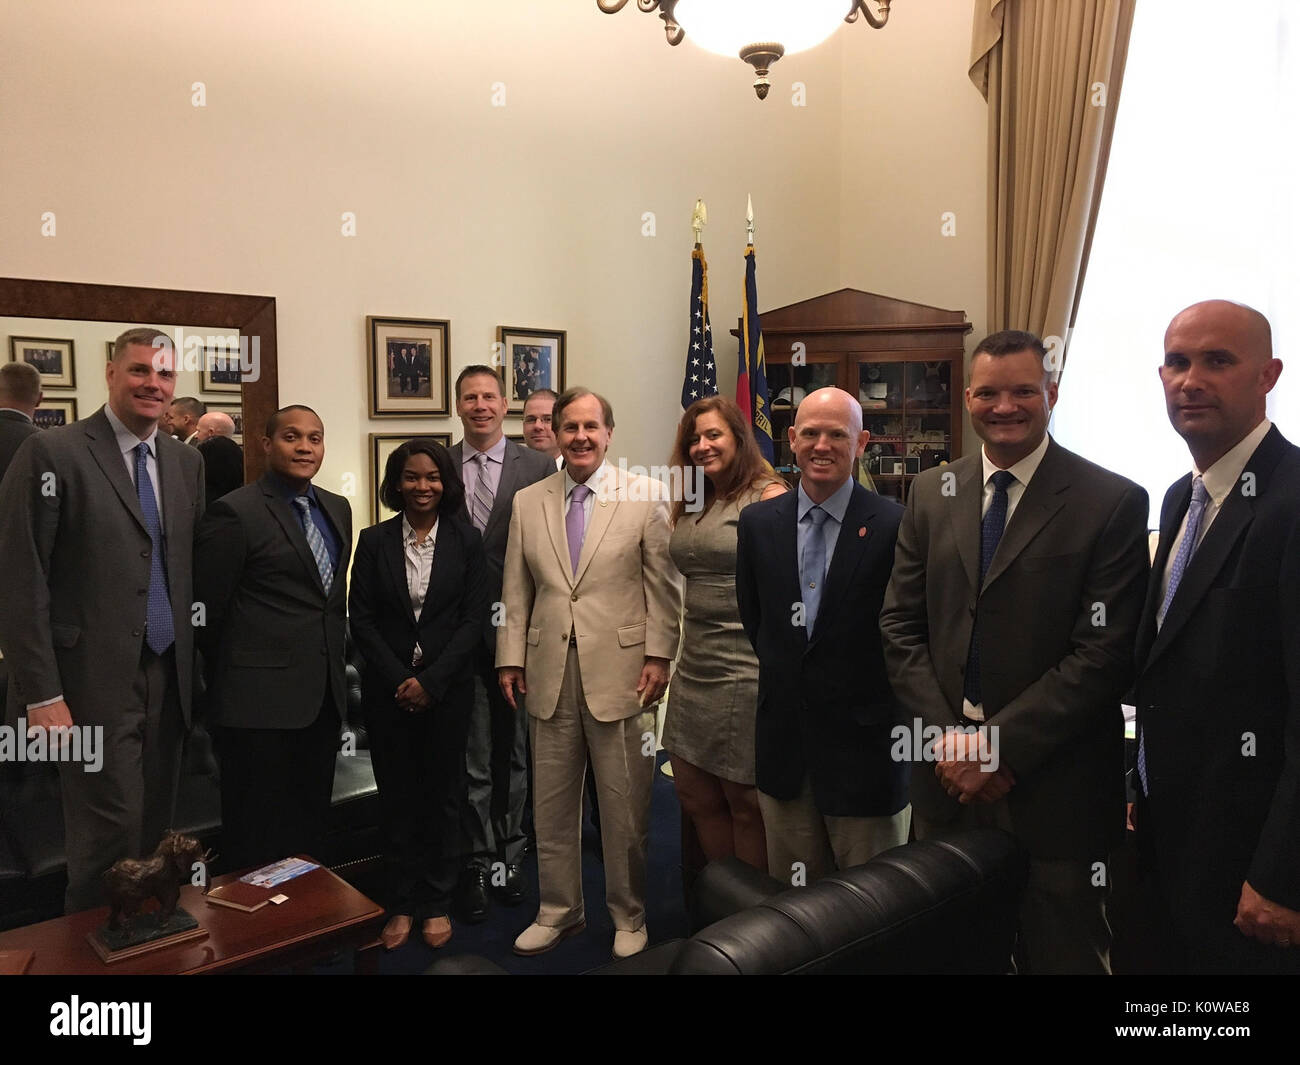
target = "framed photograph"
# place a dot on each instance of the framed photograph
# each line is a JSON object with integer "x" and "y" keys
{"x": 912, "y": 464}
{"x": 236, "y": 413}
{"x": 55, "y": 412}
{"x": 221, "y": 372}
{"x": 381, "y": 446}
{"x": 55, "y": 359}
{"x": 409, "y": 360}
{"x": 530, "y": 359}
{"x": 108, "y": 350}
{"x": 891, "y": 465}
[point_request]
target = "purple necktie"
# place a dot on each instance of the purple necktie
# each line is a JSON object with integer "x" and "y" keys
{"x": 574, "y": 523}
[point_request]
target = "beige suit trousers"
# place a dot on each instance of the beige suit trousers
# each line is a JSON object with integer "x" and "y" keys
{"x": 798, "y": 833}
{"x": 624, "y": 774}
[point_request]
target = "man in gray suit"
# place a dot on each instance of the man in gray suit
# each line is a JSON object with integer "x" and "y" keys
{"x": 496, "y": 757}
{"x": 1017, "y": 586}
{"x": 97, "y": 526}
{"x": 20, "y": 395}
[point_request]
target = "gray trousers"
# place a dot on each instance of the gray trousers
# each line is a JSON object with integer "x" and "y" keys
{"x": 496, "y": 774}
{"x": 1063, "y": 926}
{"x": 122, "y": 810}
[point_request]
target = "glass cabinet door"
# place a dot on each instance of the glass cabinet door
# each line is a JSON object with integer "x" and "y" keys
{"x": 787, "y": 386}
{"x": 907, "y": 407}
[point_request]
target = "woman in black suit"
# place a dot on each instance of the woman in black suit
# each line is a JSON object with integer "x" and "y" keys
{"x": 417, "y": 607}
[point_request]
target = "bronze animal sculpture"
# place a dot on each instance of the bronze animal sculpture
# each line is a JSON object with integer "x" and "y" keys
{"x": 130, "y": 882}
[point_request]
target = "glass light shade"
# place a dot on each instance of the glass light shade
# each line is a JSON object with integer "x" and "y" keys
{"x": 726, "y": 26}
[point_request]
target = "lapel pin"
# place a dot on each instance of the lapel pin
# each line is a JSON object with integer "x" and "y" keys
{"x": 862, "y": 530}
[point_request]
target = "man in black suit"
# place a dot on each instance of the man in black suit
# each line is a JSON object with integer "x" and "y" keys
{"x": 96, "y": 547}
{"x": 1218, "y": 690}
{"x": 223, "y": 459}
{"x": 493, "y": 469}
{"x": 811, "y": 570}
{"x": 182, "y": 419}
{"x": 20, "y": 395}
{"x": 271, "y": 565}
{"x": 1009, "y": 627}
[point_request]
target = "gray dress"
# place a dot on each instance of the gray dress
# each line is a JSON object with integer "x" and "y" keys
{"x": 714, "y": 693}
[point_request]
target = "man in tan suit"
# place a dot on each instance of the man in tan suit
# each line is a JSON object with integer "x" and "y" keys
{"x": 593, "y": 603}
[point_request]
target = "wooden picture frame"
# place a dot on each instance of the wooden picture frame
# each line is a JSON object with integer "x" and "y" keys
{"x": 531, "y": 359}
{"x": 381, "y": 446}
{"x": 401, "y": 389}
{"x": 55, "y": 411}
{"x": 55, "y": 360}
{"x": 221, "y": 373}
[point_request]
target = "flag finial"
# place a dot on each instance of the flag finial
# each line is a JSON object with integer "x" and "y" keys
{"x": 749, "y": 217}
{"x": 699, "y": 219}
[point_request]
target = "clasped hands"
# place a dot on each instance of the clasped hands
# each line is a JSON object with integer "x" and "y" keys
{"x": 962, "y": 765}
{"x": 411, "y": 696}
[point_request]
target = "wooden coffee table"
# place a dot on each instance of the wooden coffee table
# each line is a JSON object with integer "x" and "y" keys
{"x": 324, "y": 914}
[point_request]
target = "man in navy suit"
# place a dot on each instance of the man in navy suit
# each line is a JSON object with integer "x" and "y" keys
{"x": 1218, "y": 690}
{"x": 811, "y": 571}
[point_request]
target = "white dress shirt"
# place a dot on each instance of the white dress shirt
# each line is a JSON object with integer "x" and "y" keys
{"x": 128, "y": 442}
{"x": 1219, "y": 480}
{"x": 419, "y": 567}
{"x": 1023, "y": 472}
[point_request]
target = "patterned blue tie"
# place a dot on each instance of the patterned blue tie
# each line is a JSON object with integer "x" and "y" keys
{"x": 991, "y": 529}
{"x": 316, "y": 542}
{"x": 160, "y": 631}
{"x": 812, "y": 567}
{"x": 1194, "y": 514}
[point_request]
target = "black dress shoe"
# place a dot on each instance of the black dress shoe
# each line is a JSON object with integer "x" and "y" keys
{"x": 512, "y": 891}
{"x": 472, "y": 894}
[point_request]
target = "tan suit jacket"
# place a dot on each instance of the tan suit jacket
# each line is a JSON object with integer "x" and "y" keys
{"x": 624, "y": 603}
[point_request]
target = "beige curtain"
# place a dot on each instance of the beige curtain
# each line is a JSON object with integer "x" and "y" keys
{"x": 1051, "y": 71}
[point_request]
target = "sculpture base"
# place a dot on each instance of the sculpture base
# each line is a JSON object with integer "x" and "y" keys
{"x": 145, "y": 935}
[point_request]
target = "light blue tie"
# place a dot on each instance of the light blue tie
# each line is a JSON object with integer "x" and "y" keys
{"x": 316, "y": 542}
{"x": 812, "y": 567}
{"x": 1194, "y": 513}
{"x": 160, "y": 632}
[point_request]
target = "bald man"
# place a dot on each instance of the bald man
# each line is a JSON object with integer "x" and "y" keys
{"x": 20, "y": 395}
{"x": 1218, "y": 690}
{"x": 811, "y": 570}
{"x": 214, "y": 423}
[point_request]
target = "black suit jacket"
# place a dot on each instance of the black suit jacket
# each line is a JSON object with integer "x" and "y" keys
{"x": 272, "y": 639}
{"x": 1218, "y": 697}
{"x": 450, "y": 624}
{"x": 520, "y": 467}
{"x": 223, "y": 466}
{"x": 825, "y": 708}
{"x": 14, "y": 429}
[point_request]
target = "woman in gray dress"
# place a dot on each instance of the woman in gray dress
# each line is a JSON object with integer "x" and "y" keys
{"x": 709, "y": 727}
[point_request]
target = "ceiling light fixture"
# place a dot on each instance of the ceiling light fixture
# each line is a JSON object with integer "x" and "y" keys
{"x": 758, "y": 31}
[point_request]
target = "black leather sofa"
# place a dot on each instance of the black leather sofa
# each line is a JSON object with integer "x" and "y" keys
{"x": 935, "y": 906}
{"x": 33, "y": 865}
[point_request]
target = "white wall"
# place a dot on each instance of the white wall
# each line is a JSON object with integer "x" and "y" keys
{"x": 527, "y": 214}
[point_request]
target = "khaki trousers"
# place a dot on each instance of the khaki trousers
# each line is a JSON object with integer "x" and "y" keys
{"x": 624, "y": 774}
{"x": 798, "y": 833}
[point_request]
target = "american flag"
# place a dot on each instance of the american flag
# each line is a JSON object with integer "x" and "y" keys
{"x": 701, "y": 378}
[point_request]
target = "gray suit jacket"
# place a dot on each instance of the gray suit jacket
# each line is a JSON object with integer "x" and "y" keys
{"x": 1059, "y": 613}
{"x": 75, "y": 556}
{"x": 14, "y": 429}
{"x": 520, "y": 467}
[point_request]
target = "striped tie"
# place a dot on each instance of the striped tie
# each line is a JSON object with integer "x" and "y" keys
{"x": 316, "y": 542}
{"x": 482, "y": 494}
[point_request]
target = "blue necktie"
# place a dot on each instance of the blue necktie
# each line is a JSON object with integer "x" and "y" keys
{"x": 812, "y": 567}
{"x": 1194, "y": 514}
{"x": 160, "y": 632}
{"x": 316, "y": 542}
{"x": 991, "y": 529}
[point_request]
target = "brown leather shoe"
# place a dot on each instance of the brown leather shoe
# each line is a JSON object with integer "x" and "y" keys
{"x": 396, "y": 931}
{"x": 437, "y": 930}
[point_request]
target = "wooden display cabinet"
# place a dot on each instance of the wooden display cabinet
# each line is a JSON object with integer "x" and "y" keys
{"x": 904, "y": 362}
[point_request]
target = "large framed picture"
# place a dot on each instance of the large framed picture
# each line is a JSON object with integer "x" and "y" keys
{"x": 409, "y": 360}
{"x": 55, "y": 359}
{"x": 55, "y": 412}
{"x": 221, "y": 372}
{"x": 530, "y": 359}
{"x": 236, "y": 413}
{"x": 381, "y": 446}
